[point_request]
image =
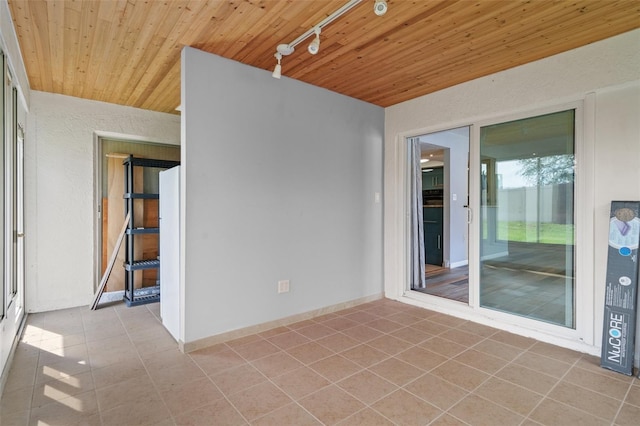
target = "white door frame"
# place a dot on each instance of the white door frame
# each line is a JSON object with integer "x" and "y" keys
{"x": 397, "y": 228}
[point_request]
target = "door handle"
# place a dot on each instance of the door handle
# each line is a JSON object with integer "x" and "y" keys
{"x": 20, "y": 234}
{"x": 438, "y": 242}
{"x": 469, "y": 214}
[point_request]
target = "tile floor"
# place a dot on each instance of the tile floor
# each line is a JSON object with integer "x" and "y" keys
{"x": 382, "y": 363}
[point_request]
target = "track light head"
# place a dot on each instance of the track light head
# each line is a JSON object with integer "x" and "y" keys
{"x": 380, "y": 7}
{"x": 277, "y": 71}
{"x": 314, "y": 46}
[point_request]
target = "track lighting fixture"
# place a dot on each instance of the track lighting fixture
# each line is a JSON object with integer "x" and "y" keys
{"x": 314, "y": 46}
{"x": 380, "y": 7}
{"x": 277, "y": 71}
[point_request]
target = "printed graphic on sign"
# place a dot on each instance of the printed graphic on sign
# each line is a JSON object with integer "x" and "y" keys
{"x": 618, "y": 332}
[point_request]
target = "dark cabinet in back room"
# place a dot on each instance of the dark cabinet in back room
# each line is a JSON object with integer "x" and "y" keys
{"x": 432, "y": 218}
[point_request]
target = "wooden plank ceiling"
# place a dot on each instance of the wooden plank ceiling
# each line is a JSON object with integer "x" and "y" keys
{"x": 128, "y": 51}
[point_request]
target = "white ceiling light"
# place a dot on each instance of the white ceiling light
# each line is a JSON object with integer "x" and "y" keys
{"x": 424, "y": 160}
{"x": 380, "y": 7}
{"x": 314, "y": 46}
{"x": 277, "y": 71}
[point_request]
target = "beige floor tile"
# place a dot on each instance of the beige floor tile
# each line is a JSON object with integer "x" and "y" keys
{"x": 385, "y": 325}
{"x": 477, "y": 329}
{"x": 461, "y": 337}
{"x": 404, "y": 317}
{"x": 335, "y": 367}
{"x": 241, "y": 341}
{"x": 309, "y": 352}
{"x": 119, "y": 343}
{"x": 315, "y": 331}
{"x": 530, "y": 379}
{"x": 497, "y": 349}
{"x": 338, "y": 342}
{"x": 633, "y": 396}
{"x": 480, "y": 361}
{"x": 288, "y": 340}
{"x": 64, "y": 388}
{"x": 585, "y": 400}
{"x": 364, "y": 355}
{"x": 362, "y": 333}
{"x": 259, "y": 400}
{"x": 291, "y": 414}
{"x": 256, "y": 350}
{"x": 553, "y": 413}
{"x": 436, "y": 391}
{"x": 17, "y": 400}
{"x": 331, "y": 405}
{"x": 366, "y": 417}
{"x": 276, "y": 364}
{"x": 396, "y": 371}
{"x": 367, "y": 387}
{"x": 77, "y": 409}
{"x": 411, "y": 335}
{"x": 555, "y": 352}
{"x": 596, "y": 382}
{"x": 403, "y": 408}
{"x": 513, "y": 340}
{"x": 60, "y": 370}
{"x": 447, "y": 320}
{"x": 592, "y": 364}
{"x": 20, "y": 378}
{"x": 421, "y": 358}
{"x": 156, "y": 344}
{"x": 478, "y": 411}
{"x": 16, "y": 418}
{"x": 238, "y": 378}
{"x": 274, "y": 332}
{"x": 179, "y": 375}
{"x": 217, "y": 362}
{"x": 127, "y": 391}
{"x": 78, "y": 353}
{"x": 447, "y": 420}
{"x": 442, "y": 346}
{"x": 628, "y": 416}
{"x": 508, "y": 395}
{"x": 165, "y": 359}
{"x": 116, "y": 373}
{"x": 361, "y": 317}
{"x": 460, "y": 375}
{"x": 190, "y": 396}
{"x": 389, "y": 344}
{"x": 430, "y": 327}
{"x": 112, "y": 356}
{"x": 543, "y": 364}
{"x": 301, "y": 382}
{"x": 148, "y": 410}
{"x": 339, "y": 323}
{"x": 219, "y": 412}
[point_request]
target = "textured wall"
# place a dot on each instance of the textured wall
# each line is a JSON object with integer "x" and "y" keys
{"x": 280, "y": 183}
{"x": 59, "y": 169}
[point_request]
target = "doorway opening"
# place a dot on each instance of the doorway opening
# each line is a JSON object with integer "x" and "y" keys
{"x": 444, "y": 169}
{"x": 110, "y": 211}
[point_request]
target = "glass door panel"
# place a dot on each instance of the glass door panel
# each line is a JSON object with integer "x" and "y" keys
{"x": 527, "y": 218}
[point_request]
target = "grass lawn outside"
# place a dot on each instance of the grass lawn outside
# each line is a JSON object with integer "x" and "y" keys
{"x": 526, "y": 232}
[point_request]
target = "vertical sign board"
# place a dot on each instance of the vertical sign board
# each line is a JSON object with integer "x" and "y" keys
{"x": 618, "y": 333}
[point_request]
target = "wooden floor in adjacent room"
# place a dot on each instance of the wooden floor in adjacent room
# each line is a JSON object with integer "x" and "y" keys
{"x": 448, "y": 283}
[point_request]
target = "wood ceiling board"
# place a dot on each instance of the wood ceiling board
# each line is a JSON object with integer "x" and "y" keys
{"x": 128, "y": 51}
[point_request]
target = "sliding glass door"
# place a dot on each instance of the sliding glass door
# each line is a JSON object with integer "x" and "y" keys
{"x": 527, "y": 253}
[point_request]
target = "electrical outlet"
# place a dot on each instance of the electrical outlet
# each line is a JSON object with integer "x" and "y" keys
{"x": 283, "y": 286}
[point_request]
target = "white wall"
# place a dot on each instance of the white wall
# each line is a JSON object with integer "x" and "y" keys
{"x": 606, "y": 76}
{"x": 279, "y": 183}
{"x": 59, "y": 190}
